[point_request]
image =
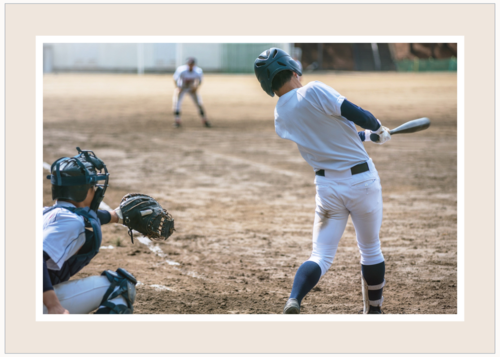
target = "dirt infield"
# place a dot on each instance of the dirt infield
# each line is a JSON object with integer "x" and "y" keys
{"x": 243, "y": 199}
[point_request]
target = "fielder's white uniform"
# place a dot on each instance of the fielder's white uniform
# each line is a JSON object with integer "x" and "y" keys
{"x": 311, "y": 117}
{"x": 186, "y": 80}
{"x": 63, "y": 236}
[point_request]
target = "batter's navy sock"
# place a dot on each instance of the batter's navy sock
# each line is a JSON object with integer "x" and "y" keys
{"x": 306, "y": 278}
{"x": 374, "y": 275}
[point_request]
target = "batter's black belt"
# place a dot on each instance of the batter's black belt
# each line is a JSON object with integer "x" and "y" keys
{"x": 354, "y": 170}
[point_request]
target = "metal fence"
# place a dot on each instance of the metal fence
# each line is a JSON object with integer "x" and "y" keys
{"x": 152, "y": 57}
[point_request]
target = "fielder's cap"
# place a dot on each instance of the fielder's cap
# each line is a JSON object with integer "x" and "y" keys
{"x": 191, "y": 60}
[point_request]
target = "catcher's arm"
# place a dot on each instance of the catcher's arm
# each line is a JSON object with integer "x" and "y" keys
{"x": 106, "y": 216}
{"x": 50, "y": 299}
{"x": 114, "y": 217}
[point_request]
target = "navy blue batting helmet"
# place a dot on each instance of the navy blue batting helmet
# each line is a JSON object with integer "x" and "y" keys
{"x": 271, "y": 62}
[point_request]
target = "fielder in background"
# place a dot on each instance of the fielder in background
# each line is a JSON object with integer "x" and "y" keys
{"x": 187, "y": 79}
{"x": 321, "y": 122}
{"x": 72, "y": 237}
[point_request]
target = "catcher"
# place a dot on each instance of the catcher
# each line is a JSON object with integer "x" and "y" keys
{"x": 72, "y": 237}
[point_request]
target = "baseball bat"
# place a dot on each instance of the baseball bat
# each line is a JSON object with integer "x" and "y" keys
{"x": 411, "y": 126}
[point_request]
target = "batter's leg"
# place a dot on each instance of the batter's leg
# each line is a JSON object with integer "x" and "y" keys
{"x": 84, "y": 295}
{"x": 372, "y": 278}
{"x": 366, "y": 214}
{"x": 329, "y": 224}
{"x": 305, "y": 279}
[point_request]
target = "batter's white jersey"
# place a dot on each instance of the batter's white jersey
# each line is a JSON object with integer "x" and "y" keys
{"x": 186, "y": 78}
{"x": 310, "y": 116}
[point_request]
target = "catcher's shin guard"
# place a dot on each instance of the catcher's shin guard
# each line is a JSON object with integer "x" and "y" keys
{"x": 122, "y": 284}
{"x": 111, "y": 308}
{"x": 365, "y": 288}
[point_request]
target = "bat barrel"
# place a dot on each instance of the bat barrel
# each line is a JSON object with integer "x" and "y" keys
{"x": 412, "y": 126}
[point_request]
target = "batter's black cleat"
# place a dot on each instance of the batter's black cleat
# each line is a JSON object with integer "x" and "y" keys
{"x": 373, "y": 310}
{"x": 207, "y": 124}
{"x": 177, "y": 125}
{"x": 292, "y": 307}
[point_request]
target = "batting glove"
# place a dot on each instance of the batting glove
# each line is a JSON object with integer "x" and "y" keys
{"x": 380, "y": 136}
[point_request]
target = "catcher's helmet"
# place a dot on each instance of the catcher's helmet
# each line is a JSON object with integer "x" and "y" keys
{"x": 269, "y": 63}
{"x": 71, "y": 177}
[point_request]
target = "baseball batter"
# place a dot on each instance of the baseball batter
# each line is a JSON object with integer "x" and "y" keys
{"x": 72, "y": 237}
{"x": 321, "y": 122}
{"x": 187, "y": 79}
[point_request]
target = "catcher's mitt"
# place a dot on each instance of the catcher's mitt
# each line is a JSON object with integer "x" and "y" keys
{"x": 144, "y": 214}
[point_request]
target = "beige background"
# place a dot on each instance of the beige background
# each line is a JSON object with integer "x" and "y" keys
{"x": 476, "y": 334}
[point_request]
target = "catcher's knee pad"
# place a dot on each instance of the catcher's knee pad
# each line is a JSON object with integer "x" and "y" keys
{"x": 123, "y": 284}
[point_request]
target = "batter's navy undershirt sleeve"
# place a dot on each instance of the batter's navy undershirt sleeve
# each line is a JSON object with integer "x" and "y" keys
{"x": 359, "y": 116}
{"x": 104, "y": 216}
{"x": 47, "y": 284}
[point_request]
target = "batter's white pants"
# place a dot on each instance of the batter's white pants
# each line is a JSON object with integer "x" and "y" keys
{"x": 179, "y": 96}
{"x": 338, "y": 195}
{"x": 83, "y": 295}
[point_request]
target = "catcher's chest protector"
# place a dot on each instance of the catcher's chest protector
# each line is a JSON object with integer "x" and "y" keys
{"x": 93, "y": 238}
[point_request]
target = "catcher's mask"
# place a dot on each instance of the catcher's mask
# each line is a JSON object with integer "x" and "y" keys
{"x": 71, "y": 177}
{"x": 271, "y": 62}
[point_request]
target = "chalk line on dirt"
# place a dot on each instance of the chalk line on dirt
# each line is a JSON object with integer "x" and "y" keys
{"x": 155, "y": 249}
{"x": 155, "y": 286}
{"x": 107, "y": 247}
{"x": 160, "y": 287}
